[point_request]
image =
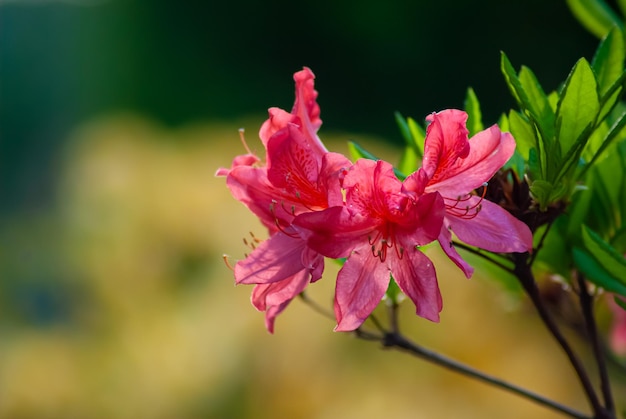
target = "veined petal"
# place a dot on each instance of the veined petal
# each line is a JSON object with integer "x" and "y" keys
{"x": 445, "y": 241}
{"x": 278, "y": 119}
{"x": 274, "y": 259}
{"x": 361, "y": 284}
{"x": 490, "y": 149}
{"x": 492, "y": 228}
{"x": 425, "y": 220}
{"x": 334, "y": 232}
{"x": 446, "y": 142}
{"x": 415, "y": 275}
{"x": 333, "y": 171}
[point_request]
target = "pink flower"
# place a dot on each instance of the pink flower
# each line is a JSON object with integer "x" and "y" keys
{"x": 617, "y": 334}
{"x": 455, "y": 166}
{"x": 378, "y": 230}
{"x": 300, "y": 176}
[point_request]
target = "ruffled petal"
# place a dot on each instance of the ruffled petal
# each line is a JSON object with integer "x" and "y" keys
{"x": 492, "y": 228}
{"x": 274, "y": 259}
{"x": 361, "y": 284}
{"x": 446, "y": 142}
{"x": 490, "y": 149}
{"x": 415, "y": 275}
{"x": 273, "y": 298}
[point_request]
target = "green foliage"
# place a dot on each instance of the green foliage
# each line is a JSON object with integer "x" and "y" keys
{"x": 474, "y": 115}
{"x": 553, "y": 131}
{"x": 595, "y": 15}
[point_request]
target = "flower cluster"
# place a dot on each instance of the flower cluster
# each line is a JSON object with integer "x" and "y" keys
{"x": 318, "y": 204}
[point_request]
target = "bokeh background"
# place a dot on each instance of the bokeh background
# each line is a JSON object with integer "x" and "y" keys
{"x": 114, "y": 116}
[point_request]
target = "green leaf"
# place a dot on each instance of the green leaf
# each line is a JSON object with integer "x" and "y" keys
{"x": 578, "y": 105}
{"x": 545, "y": 192}
{"x": 358, "y": 152}
{"x": 474, "y": 115}
{"x": 613, "y": 262}
{"x": 404, "y": 127}
{"x": 608, "y": 61}
{"x": 523, "y": 133}
{"x": 419, "y": 136}
{"x": 409, "y": 161}
{"x": 596, "y": 273}
{"x": 620, "y": 302}
{"x": 515, "y": 86}
{"x": 614, "y": 132}
{"x": 538, "y": 104}
{"x": 595, "y": 15}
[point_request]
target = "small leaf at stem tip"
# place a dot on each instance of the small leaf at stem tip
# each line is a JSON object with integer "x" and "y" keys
{"x": 578, "y": 106}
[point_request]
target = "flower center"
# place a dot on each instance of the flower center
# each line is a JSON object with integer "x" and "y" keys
{"x": 384, "y": 240}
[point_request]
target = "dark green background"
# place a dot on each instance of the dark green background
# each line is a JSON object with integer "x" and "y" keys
{"x": 62, "y": 63}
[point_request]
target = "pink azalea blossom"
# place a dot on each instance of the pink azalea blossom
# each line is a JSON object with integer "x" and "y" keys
{"x": 378, "y": 230}
{"x": 300, "y": 175}
{"x": 455, "y": 166}
{"x": 617, "y": 333}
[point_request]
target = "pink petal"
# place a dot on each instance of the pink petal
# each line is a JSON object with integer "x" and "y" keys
{"x": 361, "y": 284}
{"x": 273, "y": 298}
{"x": 415, "y": 275}
{"x": 489, "y": 151}
{"x": 334, "y": 232}
{"x": 306, "y": 107}
{"x": 446, "y": 141}
{"x": 274, "y": 259}
{"x": 445, "y": 241}
{"x": 492, "y": 228}
{"x": 334, "y": 168}
{"x": 426, "y": 218}
{"x": 278, "y": 120}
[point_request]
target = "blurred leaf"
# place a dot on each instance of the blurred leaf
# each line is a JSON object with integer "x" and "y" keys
{"x": 404, "y": 127}
{"x": 610, "y": 259}
{"x": 618, "y": 241}
{"x": 622, "y": 6}
{"x": 418, "y": 134}
{"x": 556, "y": 251}
{"x": 608, "y": 61}
{"x": 474, "y": 115}
{"x": 620, "y": 302}
{"x": 409, "y": 161}
{"x": 358, "y": 152}
{"x": 596, "y": 273}
{"x": 578, "y": 106}
{"x": 595, "y": 15}
{"x": 412, "y": 133}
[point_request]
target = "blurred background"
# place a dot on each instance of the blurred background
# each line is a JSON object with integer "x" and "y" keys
{"x": 115, "y": 115}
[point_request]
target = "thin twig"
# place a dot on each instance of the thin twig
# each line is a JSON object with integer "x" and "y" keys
{"x": 396, "y": 340}
{"x": 540, "y": 244}
{"x": 526, "y": 278}
{"x": 315, "y": 306}
{"x": 586, "y": 303}
{"x": 484, "y": 256}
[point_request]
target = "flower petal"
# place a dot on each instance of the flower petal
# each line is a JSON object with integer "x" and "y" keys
{"x": 274, "y": 259}
{"x": 446, "y": 142}
{"x": 361, "y": 284}
{"x": 415, "y": 275}
{"x": 273, "y": 298}
{"x": 492, "y": 228}
{"x": 334, "y": 232}
{"x": 445, "y": 241}
{"x": 490, "y": 149}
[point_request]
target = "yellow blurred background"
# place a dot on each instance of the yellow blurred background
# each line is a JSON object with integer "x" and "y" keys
{"x": 149, "y": 323}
